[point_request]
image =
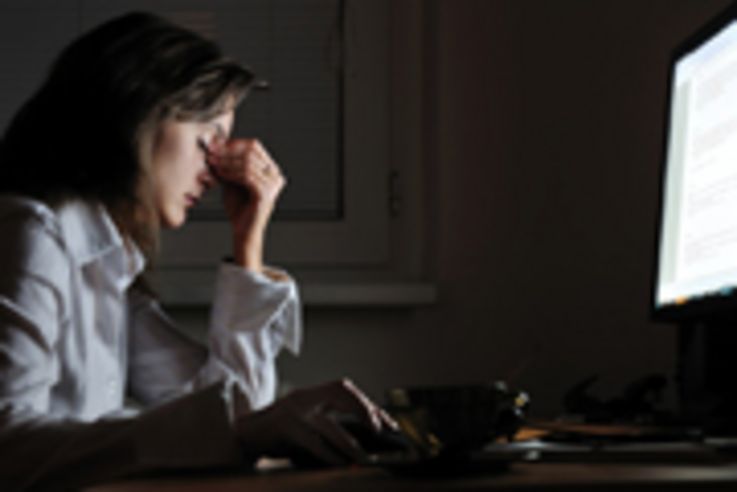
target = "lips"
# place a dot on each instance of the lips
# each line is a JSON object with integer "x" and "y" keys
{"x": 191, "y": 199}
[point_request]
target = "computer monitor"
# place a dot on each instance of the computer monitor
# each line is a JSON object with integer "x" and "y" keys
{"x": 695, "y": 272}
{"x": 696, "y": 261}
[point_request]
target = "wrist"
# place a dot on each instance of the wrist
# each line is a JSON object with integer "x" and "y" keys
{"x": 248, "y": 253}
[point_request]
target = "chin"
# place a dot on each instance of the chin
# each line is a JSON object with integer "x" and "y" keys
{"x": 173, "y": 221}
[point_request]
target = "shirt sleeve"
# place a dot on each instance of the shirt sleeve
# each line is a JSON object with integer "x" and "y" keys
{"x": 45, "y": 449}
{"x": 40, "y": 452}
{"x": 254, "y": 316}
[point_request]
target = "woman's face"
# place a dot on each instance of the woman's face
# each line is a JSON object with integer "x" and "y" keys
{"x": 180, "y": 173}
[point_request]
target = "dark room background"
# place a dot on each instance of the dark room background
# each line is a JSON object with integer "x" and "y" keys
{"x": 542, "y": 127}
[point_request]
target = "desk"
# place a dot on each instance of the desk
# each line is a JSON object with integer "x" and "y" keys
{"x": 520, "y": 477}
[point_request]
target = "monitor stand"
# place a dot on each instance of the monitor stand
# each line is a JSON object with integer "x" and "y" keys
{"x": 707, "y": 374}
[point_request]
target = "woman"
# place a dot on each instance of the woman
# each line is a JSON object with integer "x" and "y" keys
{"x": 129, "y": 130}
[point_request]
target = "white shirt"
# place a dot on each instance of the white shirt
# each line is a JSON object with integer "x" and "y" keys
{"x": 75, "y": 342}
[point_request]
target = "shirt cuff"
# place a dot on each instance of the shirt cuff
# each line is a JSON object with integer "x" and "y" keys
{"x": 248, "y": 301}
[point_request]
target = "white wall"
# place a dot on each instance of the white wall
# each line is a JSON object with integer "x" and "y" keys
{"x": 542, "y": 144}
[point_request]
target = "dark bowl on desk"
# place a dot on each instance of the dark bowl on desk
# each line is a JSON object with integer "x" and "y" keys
{"x": 457, "y": 420}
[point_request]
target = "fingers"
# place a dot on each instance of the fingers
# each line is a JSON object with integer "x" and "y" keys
{"x": 246, "y": 164}
{"x": 345, "y": 397}
{"x": 388, "y": 420}
{"x": 241, "y": 159}
{"x": 365, "y": 405}
{"x": 305, "y": 438}
{"x": 309, "y": 423}
{"x": 337, "y": 437}
{"x": 376, "y": 415}
{"x": 323, "y": 408}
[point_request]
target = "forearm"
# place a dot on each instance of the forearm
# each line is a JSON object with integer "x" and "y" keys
{"x": 248, "y": 249}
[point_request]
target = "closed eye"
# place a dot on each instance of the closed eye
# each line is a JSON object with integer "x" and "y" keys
{"x": 220, "y": 131}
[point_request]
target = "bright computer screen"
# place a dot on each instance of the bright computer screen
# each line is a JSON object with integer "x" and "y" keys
{"x": 697, "y": 250}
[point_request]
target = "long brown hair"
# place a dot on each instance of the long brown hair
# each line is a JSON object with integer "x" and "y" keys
{"x": 87, "y": 132}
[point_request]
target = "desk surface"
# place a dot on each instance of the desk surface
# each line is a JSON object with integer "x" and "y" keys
{"x": 519, "y": 477}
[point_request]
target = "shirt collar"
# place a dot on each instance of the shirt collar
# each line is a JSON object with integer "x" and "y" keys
{"x": 93, "y": 238}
